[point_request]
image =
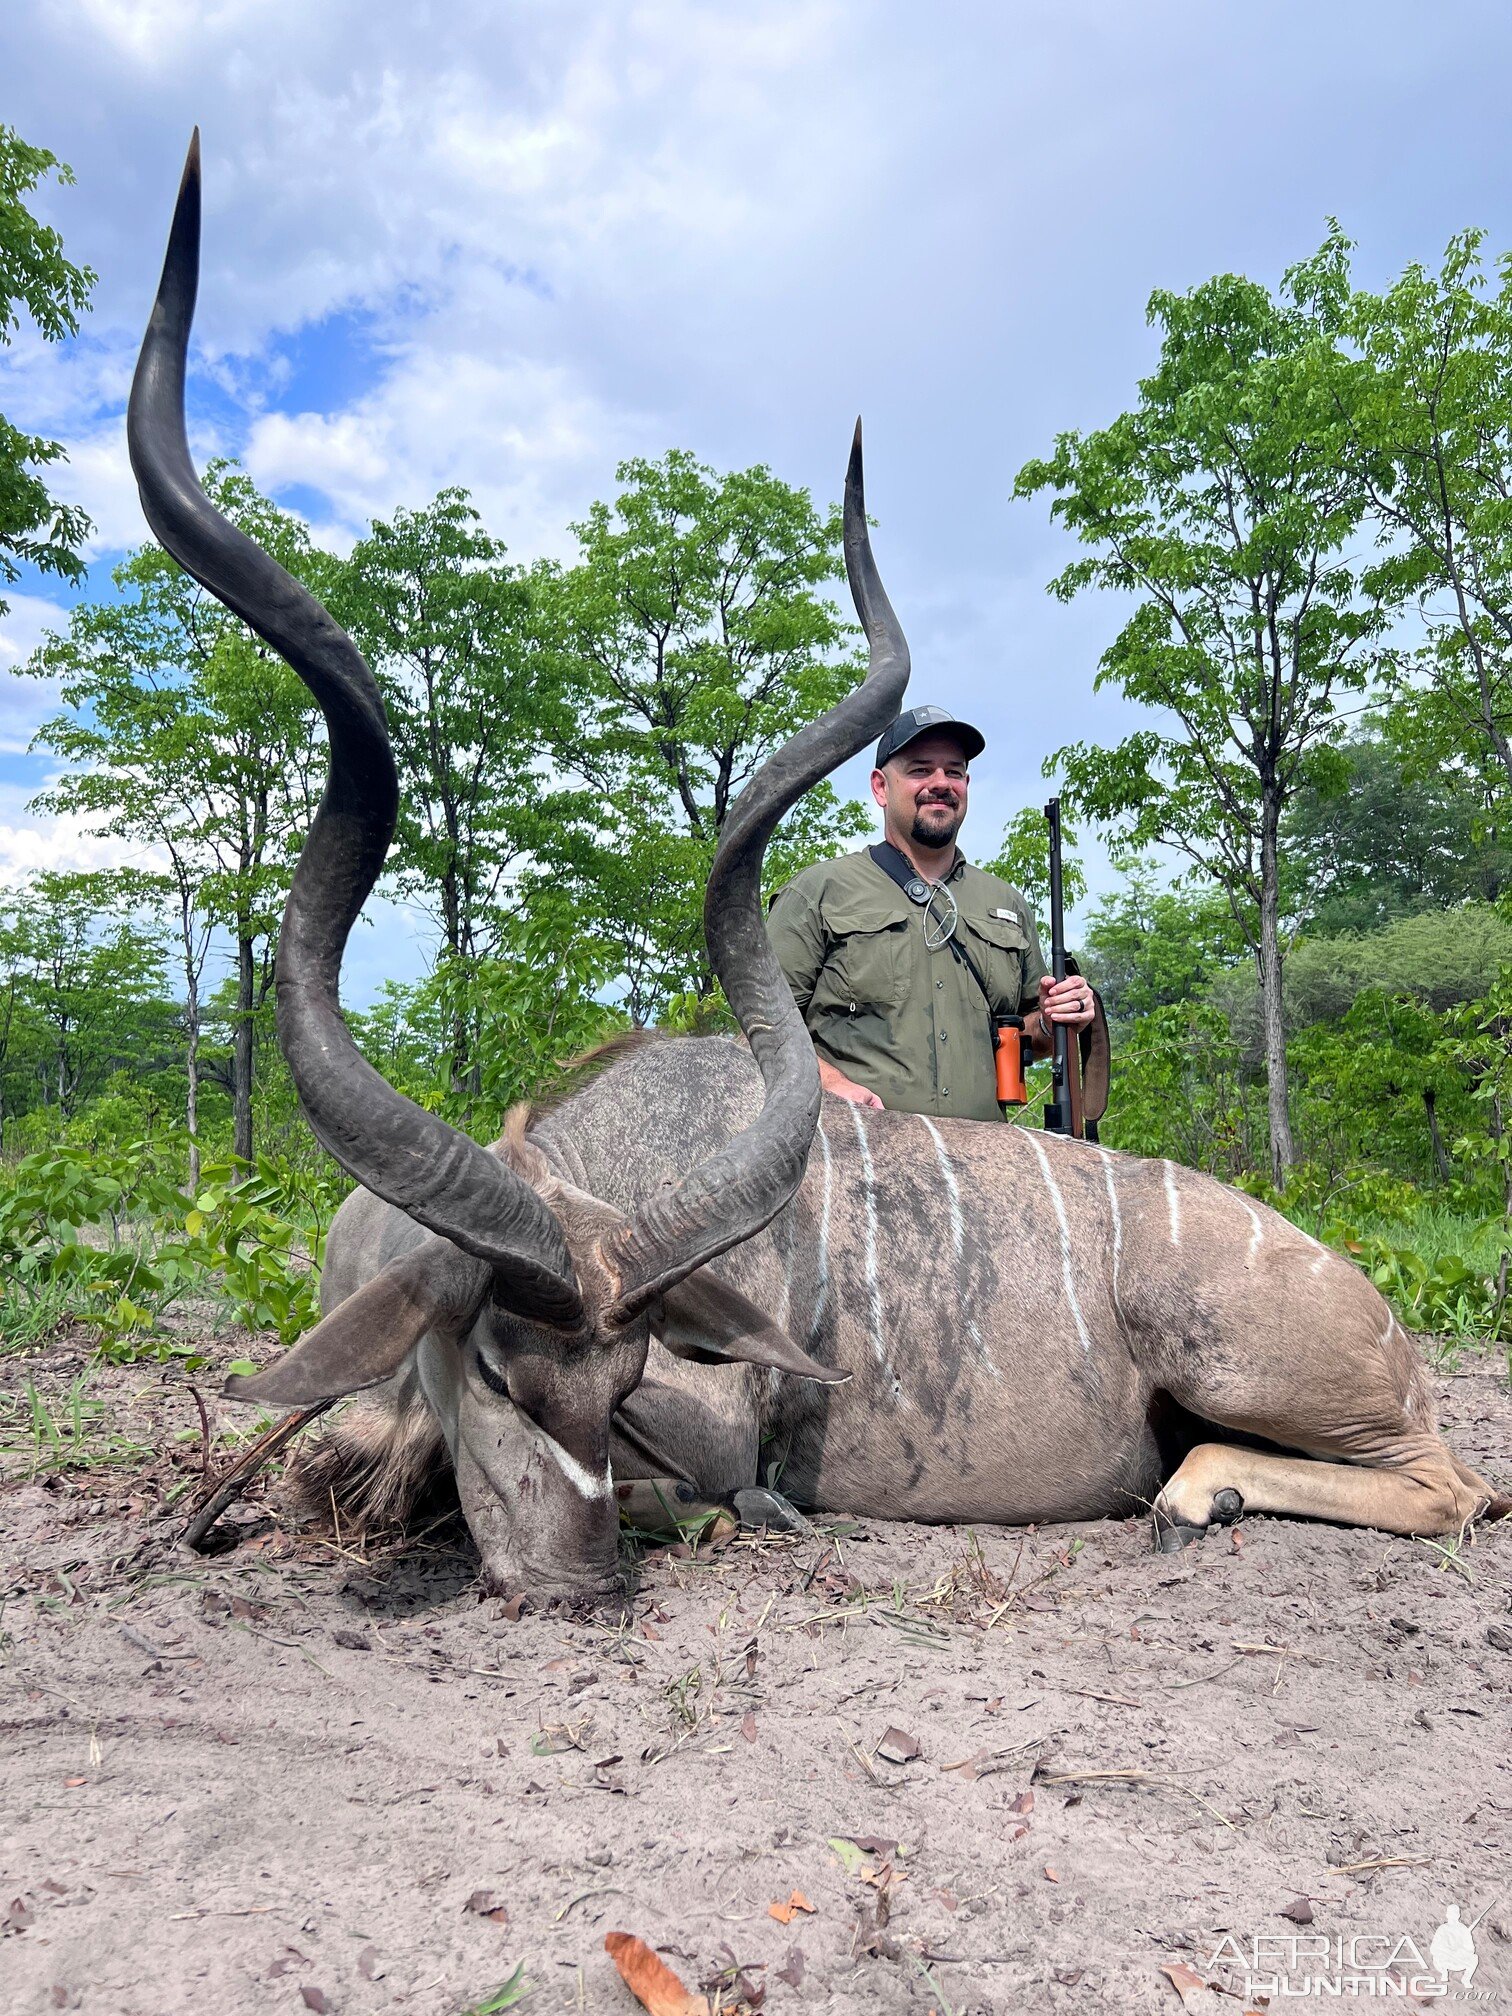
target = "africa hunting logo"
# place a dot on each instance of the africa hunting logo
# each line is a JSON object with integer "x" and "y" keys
{"x": 1273, "y": 1966}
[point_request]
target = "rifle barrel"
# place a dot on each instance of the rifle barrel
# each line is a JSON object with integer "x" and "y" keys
{"x": 1058, "y": 1107}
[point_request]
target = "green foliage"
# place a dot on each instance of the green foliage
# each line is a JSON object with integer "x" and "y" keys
{"x": 1389, "y": 834}
{"x": 110, "y": 1241}
{"x": 696, "y": 635}
{"x": 71, "y": 1434}
{"x": 508, "y": 1996}
{"x": 529, "y": 1011}
{"x": 37, "y": 281}
{"x": 1427, "y": 404}
{"x": 184, "y": 733}
{"x": 1179, "y": 1090}
{"x": 1227, "y": 506}
{"x": 1148, "y": 947}
{"x": 1023, "y": 858}
{"x": 476, "y": 714}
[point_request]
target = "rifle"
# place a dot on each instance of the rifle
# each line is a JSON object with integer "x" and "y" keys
{"x": 1060, "y": 1114}
{"x": 1079, "y": 1073}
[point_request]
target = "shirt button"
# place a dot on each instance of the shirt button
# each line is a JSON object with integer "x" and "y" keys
{"x": 939, "y": 983}
{"x": 944, "y": 1036}
{"x": 944, "y": 1091}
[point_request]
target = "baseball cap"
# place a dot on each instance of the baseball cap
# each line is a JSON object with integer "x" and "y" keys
{"x": 917, "y": 721}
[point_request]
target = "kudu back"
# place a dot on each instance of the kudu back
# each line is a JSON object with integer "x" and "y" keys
{"x": 684, "y": 1265}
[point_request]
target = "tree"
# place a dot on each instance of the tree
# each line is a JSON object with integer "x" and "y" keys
{"x": 92, "y": 967}
{"x": 450, "y": 630}
{"x": 1392, "y": 834}
{"x": 1427, "y": 408}
{"x": 35, "y": 279}
{"x": 1226, "y": 503}
{"x": 1023, "y": 858}
{"x": 1147, "y": 947}
{"x": 186, "y": 734}
{"x": 696, "y": 636}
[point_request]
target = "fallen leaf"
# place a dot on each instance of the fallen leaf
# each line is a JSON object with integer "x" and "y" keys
{"x": 19, "y": 1916}
{"x": 1050, "y": 1874}
{"x": 73, "y": 1783}
{"x": 1023, "y": 1804}
{"x": 873, "y": 1844}
{"x": 1069, "y": 1978}
{"x": 785, "y": 1913}
{"x": 650, "y": 1980}
{"x": 1236, "y": 1541}
{"x": 1183, "y": 1980}
{"x": 791, "y": 1969}
{"x": 851, "y": 1857}
{"x": 748, "y": 1726}
{"x": 898, "y": 1747}
{"x": 1299, "y": 1911}
{"x": 554, "y": 1739}
{"x": 510, "y": 1610}
{"x": 314, "y": 1999}
{"x": 368, "y": 1964}
{"x": 484, "y": 1904}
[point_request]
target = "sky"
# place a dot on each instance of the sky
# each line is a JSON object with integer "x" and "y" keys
{"x": 506, "y": 246}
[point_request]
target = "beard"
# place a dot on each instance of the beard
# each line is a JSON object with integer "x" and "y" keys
{"x": 935, "y": 825}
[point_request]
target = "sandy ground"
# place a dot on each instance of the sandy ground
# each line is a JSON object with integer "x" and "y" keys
{"x": 1003, "y": 1771}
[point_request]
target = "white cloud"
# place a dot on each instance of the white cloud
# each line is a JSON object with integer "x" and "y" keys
{"x": 31, "y": 842}
{"x": 520, "y": 435}
{"x": 600, "y": 227}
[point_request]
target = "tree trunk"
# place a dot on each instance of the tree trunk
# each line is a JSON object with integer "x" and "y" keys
{"x": 191, "y": 1070}
{"x": 191, "y": 1036}
{"x": 1282, "y": 1153}
{"x": 1430, "y": 1107}
{"x": 241, "y": 1052}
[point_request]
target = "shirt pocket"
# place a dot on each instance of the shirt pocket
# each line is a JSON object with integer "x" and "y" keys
{"x": 864, "y": 972}
{"x": 1006, "y": 943}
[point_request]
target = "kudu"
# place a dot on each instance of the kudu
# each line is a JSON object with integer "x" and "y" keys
{"x": 921, "y": 1320}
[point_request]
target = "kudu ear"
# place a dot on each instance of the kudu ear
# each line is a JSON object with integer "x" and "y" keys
{"x": 369, "y": 1336}
{"x": 709, "y": 1322}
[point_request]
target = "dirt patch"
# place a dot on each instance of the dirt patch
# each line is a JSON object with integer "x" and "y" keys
{"x": 1001, "y": 1771}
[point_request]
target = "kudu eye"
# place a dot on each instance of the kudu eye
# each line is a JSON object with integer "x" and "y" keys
{"x": 492, "y": 1377}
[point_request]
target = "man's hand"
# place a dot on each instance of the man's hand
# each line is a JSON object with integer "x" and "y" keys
{"x": 1069, "y": 1001}
{"x": 846, "y": 1088}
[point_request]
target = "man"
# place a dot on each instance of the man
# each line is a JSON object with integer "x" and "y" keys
{"x": 900, "y": 957}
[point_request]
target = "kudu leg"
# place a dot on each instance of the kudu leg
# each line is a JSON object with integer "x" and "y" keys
{"x": 1420, "y": 1488}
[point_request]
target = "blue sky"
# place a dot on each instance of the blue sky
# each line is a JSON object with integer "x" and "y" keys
{"x": 505, "y": 246}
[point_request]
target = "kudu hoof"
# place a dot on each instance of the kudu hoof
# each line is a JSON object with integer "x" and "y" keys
{"x": 1172, "y": 1533}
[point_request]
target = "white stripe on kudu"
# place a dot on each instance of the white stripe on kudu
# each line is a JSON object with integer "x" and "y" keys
{"x": 873, "y": 1284}
{"x": 1065, "y": 1238}
{"x": 957, "y": 1236}
{"x": 1117, "y": 1217}
{"x": 581, "y": 1479}
{"x": 1257, "y": 1233}
{"x": 1173, "y": 1203}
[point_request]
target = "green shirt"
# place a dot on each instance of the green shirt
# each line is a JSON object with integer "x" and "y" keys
{"x": 904, "y": 1020}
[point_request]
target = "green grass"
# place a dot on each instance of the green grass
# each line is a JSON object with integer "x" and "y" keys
{"x": 70, "y": 1433}
{"x": 1438, "y": 1267}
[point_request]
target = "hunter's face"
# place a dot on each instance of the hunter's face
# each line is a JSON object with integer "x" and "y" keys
{"x": 922, "y": 790}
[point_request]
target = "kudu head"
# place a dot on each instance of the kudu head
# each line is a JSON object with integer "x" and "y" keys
{"x": 532, "y": 1303}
